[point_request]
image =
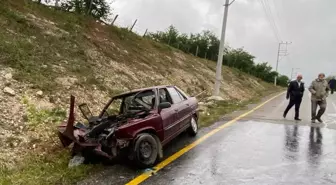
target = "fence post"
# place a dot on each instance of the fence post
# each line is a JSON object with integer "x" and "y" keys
{"x": 196, "y": 51}
{"x": 145, "y": 32}
{"x": 133, "y": 24}
{"x": 89, "y": 10}
{"x": 115, "y": 18}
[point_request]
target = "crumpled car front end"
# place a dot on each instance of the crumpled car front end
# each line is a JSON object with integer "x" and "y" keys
{"x": 80, "y": 136}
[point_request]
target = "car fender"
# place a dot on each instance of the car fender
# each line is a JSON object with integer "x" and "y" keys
{"x": 148, "y": 129}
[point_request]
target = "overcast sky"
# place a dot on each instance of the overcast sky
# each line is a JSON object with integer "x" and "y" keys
{"x": 309, "y": 24}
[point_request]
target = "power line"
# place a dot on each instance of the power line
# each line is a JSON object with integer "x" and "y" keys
{"x": 276, "y": 11}
{"x": 270, "y": 19}
{"x": 269, "y": 14}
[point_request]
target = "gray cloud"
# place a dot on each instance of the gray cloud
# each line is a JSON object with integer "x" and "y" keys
{"x": 309, "y": 24}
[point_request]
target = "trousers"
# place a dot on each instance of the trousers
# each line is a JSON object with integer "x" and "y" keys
{"x": 314, "y": 104}
{"x": 297, "y": 103}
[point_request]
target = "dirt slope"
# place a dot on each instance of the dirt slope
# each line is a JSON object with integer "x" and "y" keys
{"x": 46, "y": 55}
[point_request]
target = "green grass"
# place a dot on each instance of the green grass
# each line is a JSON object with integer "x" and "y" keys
{"x": 216, "y": 111}
{"x": 48, "y": 169}
{"x": 36, "y": 117}
{"x": 220, "y": 108}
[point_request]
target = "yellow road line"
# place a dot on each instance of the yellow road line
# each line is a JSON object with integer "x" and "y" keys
{"x": 142, "y": 177}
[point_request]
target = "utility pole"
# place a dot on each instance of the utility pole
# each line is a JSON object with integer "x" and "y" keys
{"x": 221, "y": 50}
{"x": 280, "y": 53}
{"x": 293, "y": 72}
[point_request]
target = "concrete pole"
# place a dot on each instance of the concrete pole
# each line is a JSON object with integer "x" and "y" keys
{"x": 277, "y": 63}
{"x": 221, "y": 51}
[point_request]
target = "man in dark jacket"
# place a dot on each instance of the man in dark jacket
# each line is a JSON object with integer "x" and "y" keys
{"x": 294, "y": 94}
{"x": 332, "y": 85}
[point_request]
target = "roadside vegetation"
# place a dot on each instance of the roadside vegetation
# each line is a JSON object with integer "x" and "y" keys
{"x": 50, "y": 53}
{"x": 206, "y": 44}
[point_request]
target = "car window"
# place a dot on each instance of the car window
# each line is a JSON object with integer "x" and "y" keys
{"x": 175, "y": 96}
{"x": 114, "y": 108}
{"x": 181, "y": 95}
{"x": 144, "y": 99}
{"x": 164, "y": 96}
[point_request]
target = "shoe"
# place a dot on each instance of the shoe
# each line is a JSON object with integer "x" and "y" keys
{"x": 313, "y": 121}
{"x": 297, "y": 119}
{"x": 284, "y": 115}
{"x": 319, "y": 119}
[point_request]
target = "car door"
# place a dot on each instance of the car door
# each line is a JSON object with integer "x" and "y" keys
{"x": 181, "y": 106}
{"x": 169, "y": 116}
{"x": 186, "y": 110}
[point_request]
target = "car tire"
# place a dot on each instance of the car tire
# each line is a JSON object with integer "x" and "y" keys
{"x": 145, "y": 150}
{"x": 193, "y": 129}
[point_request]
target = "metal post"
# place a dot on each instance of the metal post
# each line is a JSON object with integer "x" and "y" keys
{"x": 221, "y": 51}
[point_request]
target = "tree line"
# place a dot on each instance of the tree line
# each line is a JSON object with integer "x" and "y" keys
{"x": 204, "y": 44}
{"x": 98, "y": 9}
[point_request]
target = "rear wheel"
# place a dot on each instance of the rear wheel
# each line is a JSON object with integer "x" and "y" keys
{"x": 145, "y": 150}
{"x": 193, "y": 129}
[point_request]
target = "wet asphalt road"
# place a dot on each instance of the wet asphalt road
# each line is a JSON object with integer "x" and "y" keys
{"x": 261, "y": 148}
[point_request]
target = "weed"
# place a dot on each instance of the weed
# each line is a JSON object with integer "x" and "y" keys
{"x": 49, "y": 169}
{"x": 36, "y": 117}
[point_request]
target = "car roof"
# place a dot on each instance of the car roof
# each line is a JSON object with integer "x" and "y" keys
{"x": 143, "y": 89}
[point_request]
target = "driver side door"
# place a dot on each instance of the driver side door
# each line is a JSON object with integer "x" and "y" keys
{"x": 169, "y": 116}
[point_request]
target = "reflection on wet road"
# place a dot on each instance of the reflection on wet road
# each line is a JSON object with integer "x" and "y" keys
{"x": 262, "y": 148}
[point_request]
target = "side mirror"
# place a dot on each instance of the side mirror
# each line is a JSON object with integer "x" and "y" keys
{"x": 164, "y": 105}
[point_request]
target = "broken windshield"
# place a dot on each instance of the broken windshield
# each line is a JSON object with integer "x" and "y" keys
{"x": 132, "y": 103}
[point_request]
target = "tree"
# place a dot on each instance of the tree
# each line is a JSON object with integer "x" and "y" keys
{"x": 207, "y": 44}
{"x": 95, "y": 8}
{"x": 283, "y": 80}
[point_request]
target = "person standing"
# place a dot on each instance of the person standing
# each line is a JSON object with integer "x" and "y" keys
{"x": 295, "y": 92}
{"x": 332, "y": 85}
{"x": 319, "y": 89}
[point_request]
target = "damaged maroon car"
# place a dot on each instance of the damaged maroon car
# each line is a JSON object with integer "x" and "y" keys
{"x": 135, "y": 124}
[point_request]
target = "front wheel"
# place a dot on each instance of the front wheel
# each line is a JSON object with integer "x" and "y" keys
{"x": 193, "y": 129}
{"x": 145, "y": 150}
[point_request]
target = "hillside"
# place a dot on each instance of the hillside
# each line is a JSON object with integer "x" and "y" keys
{"x": 46, "y": 55}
